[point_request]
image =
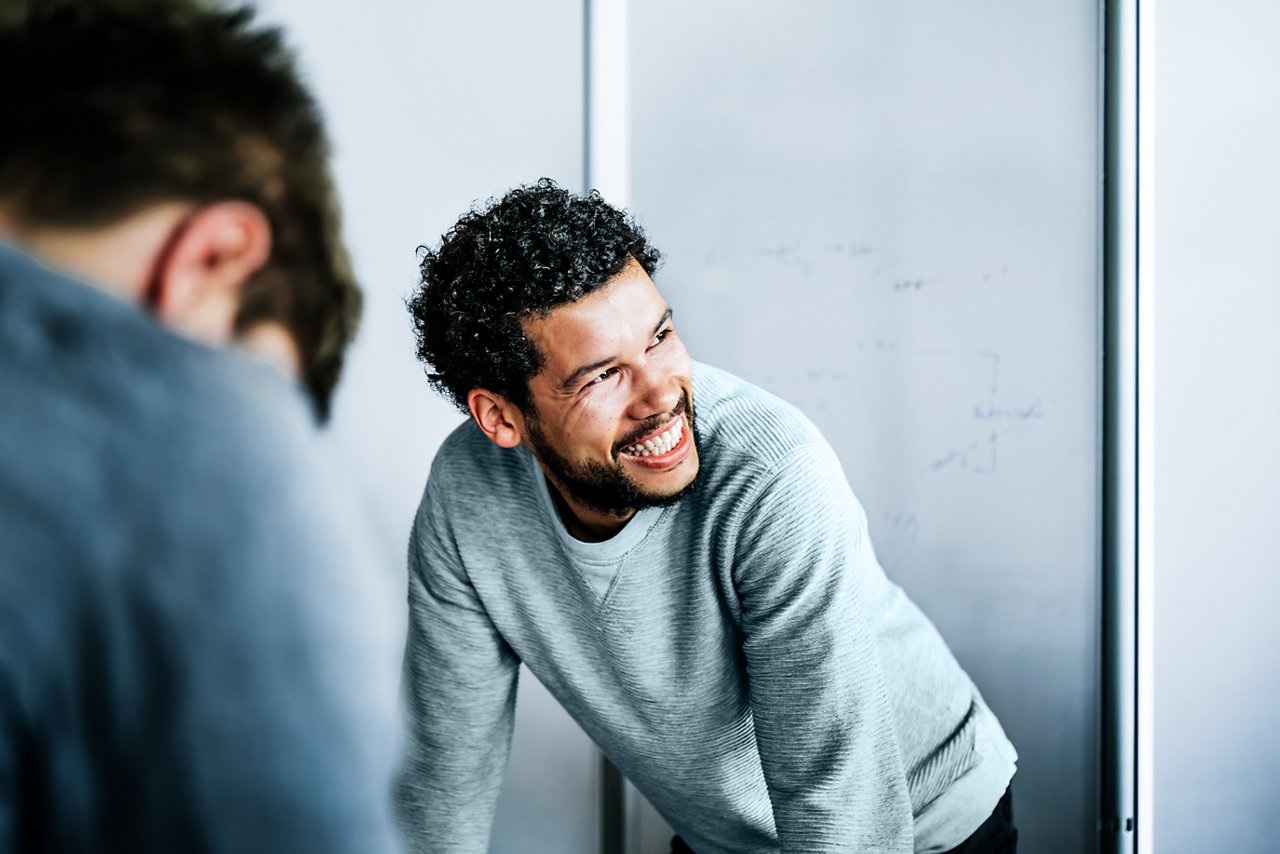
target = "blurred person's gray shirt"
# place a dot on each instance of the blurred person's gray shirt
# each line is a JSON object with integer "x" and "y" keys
{"x": 194, "y": 652}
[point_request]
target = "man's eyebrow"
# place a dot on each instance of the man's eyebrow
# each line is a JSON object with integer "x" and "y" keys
{"x": 587, "y": 370}
{"x": 584, "y": 372}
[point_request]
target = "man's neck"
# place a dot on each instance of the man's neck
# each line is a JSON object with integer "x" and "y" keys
{"x": 582, "y": 523}
{"x": 272, "y": 343}
{"x": 114, "y": 257}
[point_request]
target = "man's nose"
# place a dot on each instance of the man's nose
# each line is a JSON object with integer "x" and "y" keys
{"x": 656, "y": 393}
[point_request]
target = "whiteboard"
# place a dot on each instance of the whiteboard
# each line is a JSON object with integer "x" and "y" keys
{"x": 888, "y": 214}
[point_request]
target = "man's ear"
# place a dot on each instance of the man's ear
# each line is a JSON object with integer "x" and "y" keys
{"x": 497, "y": 417}
{"x": 196, "y": 289}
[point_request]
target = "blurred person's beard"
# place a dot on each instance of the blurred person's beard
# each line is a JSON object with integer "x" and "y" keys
{"x": 606, "y": 488}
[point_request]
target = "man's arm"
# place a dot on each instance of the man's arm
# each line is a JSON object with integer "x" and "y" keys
{"x": 818, "y": 696}
{"x": 460, "y": 688}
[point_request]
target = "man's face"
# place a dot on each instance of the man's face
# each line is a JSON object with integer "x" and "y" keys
{"x": 612, "y": 420}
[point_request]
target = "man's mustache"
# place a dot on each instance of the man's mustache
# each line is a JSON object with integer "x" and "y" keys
{"x": 652, "y": 423}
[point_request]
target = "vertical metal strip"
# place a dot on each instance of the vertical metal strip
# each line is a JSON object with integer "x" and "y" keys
{"x": 613, "y": 819}
{"x": 587, "y": 90}
{"x": 607, "y": 120}
{"x": 606, "y": 167}
{"x": 1120, "y": 427}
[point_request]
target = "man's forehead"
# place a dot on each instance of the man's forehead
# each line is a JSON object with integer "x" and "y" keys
{"x": 604, "y": 324}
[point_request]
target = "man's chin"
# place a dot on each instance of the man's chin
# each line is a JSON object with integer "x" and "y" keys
{"x": 611, "y": 489}
{"x": 665, "y": 498}
{"x": 618, "y": 495}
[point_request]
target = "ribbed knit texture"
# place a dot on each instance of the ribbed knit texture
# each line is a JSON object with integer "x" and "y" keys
{"x": 740, "y": 655}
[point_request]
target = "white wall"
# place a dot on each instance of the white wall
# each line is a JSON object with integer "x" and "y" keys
{"x": 1217, "y": 427}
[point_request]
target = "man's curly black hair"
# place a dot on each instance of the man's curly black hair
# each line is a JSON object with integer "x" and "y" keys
{"x": 536, "y": 248}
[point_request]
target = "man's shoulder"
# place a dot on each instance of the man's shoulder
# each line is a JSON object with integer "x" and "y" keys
{"x": 741, "y": 424}
{"x": 468, "y": 456}
{"x": 477, "y": 489}
{"x": 77, "y": 354}
{"x": 118, "y": 428}
{"x": 140, "y": 463}
{"x": 57, "y": 327}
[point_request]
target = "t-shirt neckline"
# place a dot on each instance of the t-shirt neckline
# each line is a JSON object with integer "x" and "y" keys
{"x": 607, "y": 550}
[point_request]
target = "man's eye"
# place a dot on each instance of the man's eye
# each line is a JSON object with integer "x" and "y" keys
{"x": 659, "y": 338}
{"x": 601, "y": 377}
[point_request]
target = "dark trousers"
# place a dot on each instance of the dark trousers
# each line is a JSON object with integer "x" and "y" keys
{"x": 996, "y": 835}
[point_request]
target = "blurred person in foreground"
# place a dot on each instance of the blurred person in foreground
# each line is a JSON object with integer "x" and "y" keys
{"x": 677, "y": 556}
{"x": 186, "y": 660}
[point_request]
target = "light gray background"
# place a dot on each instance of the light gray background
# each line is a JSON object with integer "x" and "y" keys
{"x": 1217, "y": 427}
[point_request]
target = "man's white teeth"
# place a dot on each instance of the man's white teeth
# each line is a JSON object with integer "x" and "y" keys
{"x": 658, "y": 445}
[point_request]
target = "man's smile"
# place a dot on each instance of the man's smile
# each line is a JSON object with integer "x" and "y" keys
{"x": 661, "y": 448}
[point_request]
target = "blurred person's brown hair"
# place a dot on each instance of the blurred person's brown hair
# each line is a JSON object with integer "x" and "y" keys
{"x": 114, "y": 106}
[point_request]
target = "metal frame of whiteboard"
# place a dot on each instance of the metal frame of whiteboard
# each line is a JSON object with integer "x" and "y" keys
{"x": 606, "y": 167}
{"x": 1128, "y": 409}
{"x": 607, "y": 160}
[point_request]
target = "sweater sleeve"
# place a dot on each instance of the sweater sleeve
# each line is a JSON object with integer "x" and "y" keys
{"x": 818, "y": 697}
{"x": 459, "y": 684}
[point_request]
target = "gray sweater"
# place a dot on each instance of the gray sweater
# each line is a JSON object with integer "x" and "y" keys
{"x": 740, "y": 655}
{"x": 191, "y": 655}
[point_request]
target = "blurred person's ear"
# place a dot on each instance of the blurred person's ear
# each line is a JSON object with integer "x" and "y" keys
{"x": 195, "y": 287}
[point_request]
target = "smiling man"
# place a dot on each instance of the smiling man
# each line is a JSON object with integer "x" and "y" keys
{"x": 676, "y": 555}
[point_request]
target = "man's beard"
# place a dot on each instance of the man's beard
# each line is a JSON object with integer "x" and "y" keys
{"x": 605, "y": 488}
